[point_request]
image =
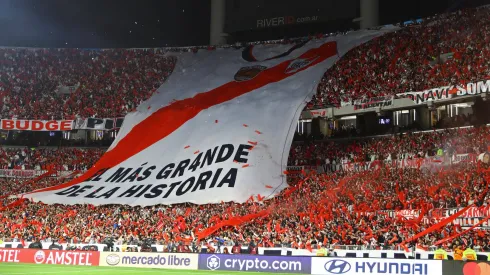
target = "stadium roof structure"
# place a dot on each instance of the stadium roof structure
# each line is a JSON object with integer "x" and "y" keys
{"x": 129, "y": 24}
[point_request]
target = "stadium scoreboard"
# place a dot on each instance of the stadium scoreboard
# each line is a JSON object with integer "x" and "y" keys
{"x": 261, "y": 14}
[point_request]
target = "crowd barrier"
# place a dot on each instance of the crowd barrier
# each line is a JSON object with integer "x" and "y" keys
{"x": 251, "y": 263}
{"x": 354, "y": 251}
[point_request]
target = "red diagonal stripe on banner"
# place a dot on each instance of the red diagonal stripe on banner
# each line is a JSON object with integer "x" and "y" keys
{"x": 170, "y": 118}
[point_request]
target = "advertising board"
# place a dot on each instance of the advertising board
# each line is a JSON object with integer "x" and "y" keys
{"x": 35, "y": 256}
{"x": 149, "y": 260}
{"x": 448, "y": 92}
{"x": 465, "y": 268}
{"x": 256, "y": 263}
{"x": 260, "y": 14}
{"x": 36, "y": 125}
{"x": 354, "y": 266}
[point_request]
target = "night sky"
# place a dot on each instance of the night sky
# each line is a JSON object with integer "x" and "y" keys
{"x": 160, "y": 23}
{"x": 104, "y": 23}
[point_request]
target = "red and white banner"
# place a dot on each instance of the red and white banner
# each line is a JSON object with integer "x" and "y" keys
{"x": 448, "y": 92}
{"x": 429, "y": 162}
{"x": 318, "y": 113}
{"x": 464, "y": 158}
{"x": 374, "y": 102}
{"x": 36, "y": 125}
{"x": 14, "y": 173}
{"x": 470, "y": 217}
{"x": 472, "y": 212}
{"x": 369, "y": 103}
{"x": 408, "y": 213}
{"x": 219, "y": 129}
{"x": 11, "y": 173}
{"x": 60, "y": 257}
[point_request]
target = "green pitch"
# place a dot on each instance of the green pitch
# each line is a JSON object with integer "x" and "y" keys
{"x": 28, "y": 269}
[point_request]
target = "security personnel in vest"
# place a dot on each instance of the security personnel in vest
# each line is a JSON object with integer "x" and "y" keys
{"x": 458, "y": 253}
{"x": 440, "y": 254}
{"x": 488, "y": 257}
{"x": 469, "y": 254}
{"x": 321, "y": 252}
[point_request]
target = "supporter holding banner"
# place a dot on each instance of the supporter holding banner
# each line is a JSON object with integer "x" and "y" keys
{"x": 36, "y": 125}
{"x": 219, "y": 129}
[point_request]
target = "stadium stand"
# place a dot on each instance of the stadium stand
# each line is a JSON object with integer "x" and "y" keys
{"x": 343, "y": 203}
{"x": 64, "y": 83}
{"x": 64, "y": 159}
{"x": 295, "y": 221}
{"x": 411, "y": 59}
{"x": 393, "y": 147}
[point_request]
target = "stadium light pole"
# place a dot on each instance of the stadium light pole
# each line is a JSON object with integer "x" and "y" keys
{"x": 216, "y": 33}
{"x": 369, "y": 13}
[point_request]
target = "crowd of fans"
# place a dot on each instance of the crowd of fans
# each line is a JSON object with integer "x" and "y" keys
{"x": 335, "y": 207}
{"x": 44, "y": 159}
{"x": 343, "y": 208}
{"x": 64, "y": 83}
{"x": 443, "y": 143}
{"x": 412, "y": 59}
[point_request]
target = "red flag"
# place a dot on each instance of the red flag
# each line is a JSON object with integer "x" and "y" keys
{"x": 438, "y": 225}
{"x": 308, "y": 246}
{"x": 159, "y": 225}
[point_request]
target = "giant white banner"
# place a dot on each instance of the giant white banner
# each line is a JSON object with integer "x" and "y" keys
{"x": 219, "y": 129}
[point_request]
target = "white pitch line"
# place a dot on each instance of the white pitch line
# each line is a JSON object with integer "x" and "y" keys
{"x": 92, "y": 269}
{"x": 95, "y": 269}
{"x": 85, "y": 271}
